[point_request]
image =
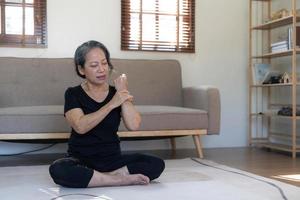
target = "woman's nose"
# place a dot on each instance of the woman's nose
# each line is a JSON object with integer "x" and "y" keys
{"x": 101, "y": 68}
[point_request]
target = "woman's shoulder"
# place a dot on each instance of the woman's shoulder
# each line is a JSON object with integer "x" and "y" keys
{"x": 74, "y": 90}
{"x": 111, "y": 92}
{"x": 112, "y": 89}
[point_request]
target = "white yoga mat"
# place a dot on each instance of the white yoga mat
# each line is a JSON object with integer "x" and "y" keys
{"x": 183, "y": 179}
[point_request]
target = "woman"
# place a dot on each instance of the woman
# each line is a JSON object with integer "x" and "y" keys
{"x": 94, "y": 110}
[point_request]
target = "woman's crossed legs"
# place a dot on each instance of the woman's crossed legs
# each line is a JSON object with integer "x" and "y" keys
{"x": 135, "y": 169}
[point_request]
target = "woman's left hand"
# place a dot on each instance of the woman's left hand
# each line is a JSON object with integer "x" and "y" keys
{"x": 121, "y": 83}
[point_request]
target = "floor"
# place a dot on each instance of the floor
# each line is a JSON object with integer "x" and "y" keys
{"x": 182, "y": 179}
{"x": 271, "y": 164}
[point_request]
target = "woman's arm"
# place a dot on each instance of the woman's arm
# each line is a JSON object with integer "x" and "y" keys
{"x": 131, "y": 117}
{"x": 82, "y": 123}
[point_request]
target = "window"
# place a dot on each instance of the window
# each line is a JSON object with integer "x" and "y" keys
{"x": 158, "y": 25}
{"x": 23, "y": 23}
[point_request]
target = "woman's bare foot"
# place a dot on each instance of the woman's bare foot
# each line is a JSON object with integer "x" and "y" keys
{"x": 106, "y": 179}
{"x": 135, "y": 179}
{"x": 121, "y": 171}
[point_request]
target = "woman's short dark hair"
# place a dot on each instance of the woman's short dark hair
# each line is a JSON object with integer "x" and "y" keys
{"x": 82, "y": 50}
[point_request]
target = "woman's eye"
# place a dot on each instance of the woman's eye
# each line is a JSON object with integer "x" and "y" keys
{"x": 105, "y": 63}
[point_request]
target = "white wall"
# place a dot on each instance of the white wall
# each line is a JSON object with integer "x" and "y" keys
{"x": 220, "y": 58}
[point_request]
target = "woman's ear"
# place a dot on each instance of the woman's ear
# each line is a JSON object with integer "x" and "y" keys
{"x": 81, "y": 70}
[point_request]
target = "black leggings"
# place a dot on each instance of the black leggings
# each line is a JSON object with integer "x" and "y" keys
{"x": 72, "y": 172}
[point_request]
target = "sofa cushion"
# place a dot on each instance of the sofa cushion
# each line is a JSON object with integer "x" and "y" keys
{"x": 152, "y": 82}
{"x": 170, "y": 118}
{"x": 35, "y": 81}
{"x": 35, "y": 119}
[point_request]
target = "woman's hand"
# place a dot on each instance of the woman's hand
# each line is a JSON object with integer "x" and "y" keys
{"x": 121, "y": 83}
{"x": 120, "y": 97}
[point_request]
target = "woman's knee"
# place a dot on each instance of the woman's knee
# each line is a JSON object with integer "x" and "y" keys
{"x": 58, "y": 168}
{"x": 69, "y": 173}
{"x": 158, "y": 166}
{"x": 154, "y": 166}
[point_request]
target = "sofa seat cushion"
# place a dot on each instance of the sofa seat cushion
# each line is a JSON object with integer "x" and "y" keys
{"x": 33, "y": 119}
{"x": 170, "y": 118}
{"x": 44, "y": 119}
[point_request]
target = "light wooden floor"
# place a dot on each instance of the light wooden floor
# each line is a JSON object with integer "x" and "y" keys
{"x": 262, "y": 162}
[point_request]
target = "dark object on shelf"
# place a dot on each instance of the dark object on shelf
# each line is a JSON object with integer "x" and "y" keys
{"x": 288, "y": 111}
{"x": 273, "y": 80}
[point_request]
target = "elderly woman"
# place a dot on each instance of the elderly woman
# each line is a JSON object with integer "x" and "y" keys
{"x": 94, "y": 110}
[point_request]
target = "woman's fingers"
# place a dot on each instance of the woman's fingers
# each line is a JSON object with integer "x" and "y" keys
{"x": 121, "y": 82}
{"x": 130, "y": 98}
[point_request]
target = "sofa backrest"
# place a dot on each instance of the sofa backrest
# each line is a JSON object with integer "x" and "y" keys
{"x": 152, "y": 82}
{"x": 35, "y": 81}
{"x": 43, "y": 81}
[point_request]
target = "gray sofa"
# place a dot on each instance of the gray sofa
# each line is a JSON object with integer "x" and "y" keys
{"x": 32, "y": 98}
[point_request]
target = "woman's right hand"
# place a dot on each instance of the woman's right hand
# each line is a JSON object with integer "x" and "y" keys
{"x": 120, "y": 97}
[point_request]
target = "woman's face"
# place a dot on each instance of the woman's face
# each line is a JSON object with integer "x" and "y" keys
{"x": 96, "y": 67}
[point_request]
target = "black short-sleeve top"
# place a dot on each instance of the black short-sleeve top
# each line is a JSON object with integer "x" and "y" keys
{"x": 100, "y": 141}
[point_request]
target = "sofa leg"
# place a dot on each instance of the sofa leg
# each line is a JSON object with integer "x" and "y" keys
{"x": 197, "y": 142}
{"x": 173, "y": 145}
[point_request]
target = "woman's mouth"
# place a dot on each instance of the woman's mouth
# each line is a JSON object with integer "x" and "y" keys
{"x": 101, "y": 77}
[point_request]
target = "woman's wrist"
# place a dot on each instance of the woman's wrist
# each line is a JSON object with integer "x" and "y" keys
{"x": 110, "y": 106}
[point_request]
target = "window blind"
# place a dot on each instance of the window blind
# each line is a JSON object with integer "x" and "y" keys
{"x": 23, "y": 23}
{"x": 158, "y": 25}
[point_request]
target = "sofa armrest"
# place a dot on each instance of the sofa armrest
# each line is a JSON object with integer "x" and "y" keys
{"x": 205, "y": 98}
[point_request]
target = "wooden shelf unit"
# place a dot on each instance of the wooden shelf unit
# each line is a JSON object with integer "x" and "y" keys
{"x": 266, "y": 27}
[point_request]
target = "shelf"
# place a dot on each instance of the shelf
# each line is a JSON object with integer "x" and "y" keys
{"x": 281, "y": 135}
{"x": 277, "y": 54}
{"x": 276, "y": 23}
{"x": 273, "y": 114}
{"x": 283, "y": 105}
{"x": 281, "y": 147}
{"x": 274, "y": 85}
{"x": 259, "y": 140}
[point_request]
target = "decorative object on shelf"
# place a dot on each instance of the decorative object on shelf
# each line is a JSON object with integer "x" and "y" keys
{"x": 262, "y": 74}
{"x": 280, "y": 14}
{"x": 290, "y": 33}
{"x": 280, "y": 46}
{"x": 297, "y": 12}
{"x": 272, "y": 77}
{"x": 285, "y": 78}
{"x": 288, "y": 111}
{"x": 259, "y": 71}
